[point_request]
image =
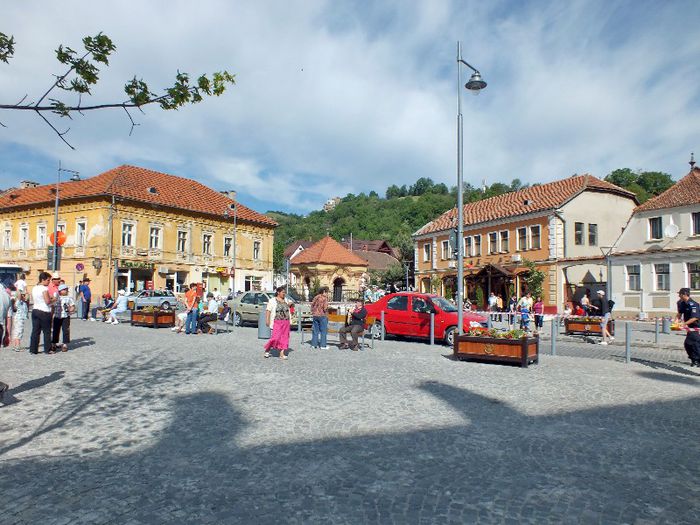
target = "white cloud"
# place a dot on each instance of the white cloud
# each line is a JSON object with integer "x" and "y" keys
{"x": 336, "y": 96}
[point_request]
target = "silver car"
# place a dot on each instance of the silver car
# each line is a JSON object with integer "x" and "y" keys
{"x": 163, "y": 299}
{"x": 249, "y": 305}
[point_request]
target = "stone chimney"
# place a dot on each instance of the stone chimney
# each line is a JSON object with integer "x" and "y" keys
{"x": 24, "y": 184}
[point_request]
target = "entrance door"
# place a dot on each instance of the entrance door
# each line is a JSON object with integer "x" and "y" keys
{"x": 397, "y": 316}
{"x": 421, "y": 308}
{"x": 338, "y": 289}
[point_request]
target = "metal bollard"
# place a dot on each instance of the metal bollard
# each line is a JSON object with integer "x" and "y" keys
{"x": 382, "y": 318}
{"x": 555, "y": 330}
{"x": 656, "y": 331}
{"x": 666, "y": 325}
{"x": 628, "y": 338}
{"x": 432, "y": 329}
{"x": 489, "y": 321}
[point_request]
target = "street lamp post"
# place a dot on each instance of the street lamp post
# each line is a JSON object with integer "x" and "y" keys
{"x": 475, "y": 84}
{"x": 233, "y": 206}
{"x": 75, "y": 176}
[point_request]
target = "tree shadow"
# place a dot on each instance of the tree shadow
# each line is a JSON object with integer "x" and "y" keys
{"x": 10, "y": 398}
{"x": 670, "y": 378}
{"x": 665, "y": 366}
{"x": 80, "y": 343}
{"x": 609, "y": 465}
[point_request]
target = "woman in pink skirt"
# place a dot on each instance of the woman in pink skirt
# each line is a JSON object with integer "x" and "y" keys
{"x": 277, "y": 317}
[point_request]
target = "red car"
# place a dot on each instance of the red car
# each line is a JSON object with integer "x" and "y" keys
{"x": 408, "y": 314}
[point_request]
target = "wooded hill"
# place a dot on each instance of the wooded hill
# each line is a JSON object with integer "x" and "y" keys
{"x": 404, "y": 209}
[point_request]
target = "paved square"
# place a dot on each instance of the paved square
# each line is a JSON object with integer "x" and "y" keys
{"x": 144, "y": 426}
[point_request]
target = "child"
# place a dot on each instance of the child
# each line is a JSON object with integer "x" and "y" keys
{"x": 20, "y": 312}
{"x": 525, "y": 317}
{"x": 61, "y": 319}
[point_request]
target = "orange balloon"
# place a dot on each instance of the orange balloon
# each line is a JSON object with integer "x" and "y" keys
{"x": 61, "y": 238}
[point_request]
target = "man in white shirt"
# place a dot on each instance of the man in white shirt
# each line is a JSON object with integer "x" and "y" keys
{"x": 21, "y": 284}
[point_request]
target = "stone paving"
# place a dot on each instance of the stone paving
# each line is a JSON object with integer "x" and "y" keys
{"x": 137, "y": 425}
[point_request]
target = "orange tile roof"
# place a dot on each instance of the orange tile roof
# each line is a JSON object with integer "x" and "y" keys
{"x": 328, "y": 251}
{"x": 551, "y": 195}
{"x": 685, "y": 192}
{"x": 132, "y": 183}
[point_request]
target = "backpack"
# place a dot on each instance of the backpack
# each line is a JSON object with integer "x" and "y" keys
{"x": 611, "y": 304}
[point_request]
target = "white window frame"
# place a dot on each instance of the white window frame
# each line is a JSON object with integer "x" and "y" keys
{"x": 7, "y": 239}
{"x": 690, "y": 281}
{"x": 696, "y": 231}
{"x": 589, "y": 234}
{"x": 468, "y": 247}
{"x": 229, "y": 245}
{"x": 583, "y": 234}
{"x": 24, "y": 236}
{"x": 656, "y": 277}
{"x": 518, "y": 247}
{"x": 206, "y": 246}
{"x": 158, "y": 237}
{"x": 257, "y": 250}
{"x": 477, "y": 253}
{"x": 501, "y": 248}
{"x": 427, "y": 249}
{"x": 132, "y": 234}
{"x": 78, "y": 240}
{"x": 649, "y": 237}
{"x": 186, "y": 239}
{"x": 445, "y": 249}
{"x": 530, "y": 242}
{"x": 490, "y": 250}
{"x": 627, "y": 278}
{"x": 41, "y": 237}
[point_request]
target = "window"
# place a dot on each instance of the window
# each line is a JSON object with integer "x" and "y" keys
{"x": 696, "y": 223}
{"x": 535, "y": 236}
{"x": 493, "y": 242}
{"x": 633, "y": 278}
{"x": 593, "y": 235}
{"x": 400, "y": 302}
{"x": 23, "y": 237}
{"x": 256, "y": 250}
{"x": 248, "y": 298}
{"x": 477, "y": 245}
{"x": 468, "y": 247}
{"x": 80, "y": 233}
{"x": 522, "y": 239}
{"x": 206, "y": 244}
{"x": 445, "y": 249}
{"x": 127, "y": 234}
{"x": 252, "y": 283}
{"x": 655, "y": 228}
{"x": 41, "y": 236}
{"x": 504, "y": 241}
{"x": 62, "y": 227}
{"x": 422, "y": 306}
{"x": 694, "y": 275}
{"x": 426, "y": 252}
{"x": 578, "y": 233}
{"x": 181, "y": 241}
{"x": 7, "y": 239}
{"x": 663, "y": 282}
{"x": 227, "y": 246}
{"x": 154, "y": 238}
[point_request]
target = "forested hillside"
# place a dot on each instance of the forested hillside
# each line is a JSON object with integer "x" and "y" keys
{"x": 403, "y": 210}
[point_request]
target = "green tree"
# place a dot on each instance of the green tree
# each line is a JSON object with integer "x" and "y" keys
{"x": 644, "y": 184}
{"x": 83, "y": 73}
{"x": 278, "y": 260}
{"x": 534, "y": 278}
{"x": 422, "y": 186}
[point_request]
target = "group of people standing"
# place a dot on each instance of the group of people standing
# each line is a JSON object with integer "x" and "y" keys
{"x": 278, "y": 318}
{"x": 527, "y": 307}
{"x": 200, "y": 312}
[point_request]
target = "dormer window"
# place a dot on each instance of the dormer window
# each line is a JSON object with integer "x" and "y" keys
{"x": 152, "y": 190}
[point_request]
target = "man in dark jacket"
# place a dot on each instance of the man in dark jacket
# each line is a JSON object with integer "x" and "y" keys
{"x": 602, "y": 308}
{"x": 690, "y": 311}
{"x": 356, "y": 325}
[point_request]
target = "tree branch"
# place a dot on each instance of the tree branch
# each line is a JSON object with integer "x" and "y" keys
{"x": 60, "y": 135}
{"x": 60, "y": 79}
{"x": 133, "y": 124}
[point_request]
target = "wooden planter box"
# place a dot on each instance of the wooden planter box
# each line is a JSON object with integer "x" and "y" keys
{"x": 154, "y": 319}
{"x": 521, "y": 351}
{"x": 578, "y": 327}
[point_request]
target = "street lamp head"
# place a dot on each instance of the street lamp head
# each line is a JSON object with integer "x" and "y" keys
{"x": 476, "y": 83}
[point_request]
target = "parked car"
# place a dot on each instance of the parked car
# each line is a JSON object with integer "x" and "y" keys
{"x": 408, "y": 314}
{"x": 249, "y": 305}
{"x": 163, "y": 299}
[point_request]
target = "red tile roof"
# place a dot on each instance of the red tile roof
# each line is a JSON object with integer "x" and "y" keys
{"x": 328, "y": 251}
{"x": 685, "y": 192}
{"x": 379, "y": 261}
{"x": 133, "y": 183}
{"x": 551, "y": 195}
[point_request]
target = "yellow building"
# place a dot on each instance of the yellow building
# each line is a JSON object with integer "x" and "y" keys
{"x": 133, "y": 228}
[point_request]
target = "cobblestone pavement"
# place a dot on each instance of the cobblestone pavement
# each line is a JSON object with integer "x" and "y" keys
{"x": 137, "y": 425}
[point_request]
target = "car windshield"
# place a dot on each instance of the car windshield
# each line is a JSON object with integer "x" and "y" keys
{"x": 444, "y": 304}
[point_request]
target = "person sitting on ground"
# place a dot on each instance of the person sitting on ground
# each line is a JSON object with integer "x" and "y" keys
{"x": 209, "y": 313}
{"x": 119, "y": 307}
{"x": 355, "y": 326}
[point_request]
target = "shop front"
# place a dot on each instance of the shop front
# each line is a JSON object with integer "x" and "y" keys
{"x": 134, "y": 276}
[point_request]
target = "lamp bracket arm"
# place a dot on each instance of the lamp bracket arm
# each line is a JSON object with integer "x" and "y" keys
{"x": 468, "y": 65}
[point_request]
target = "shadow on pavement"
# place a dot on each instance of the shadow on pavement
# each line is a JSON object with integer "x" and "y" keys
{"x": 10, "y": 398}
{"x": 671, "y": 378}
{"x": 664, "y": 366}
{"x": 81, "y": 342}
{"x": 605, "y": 465}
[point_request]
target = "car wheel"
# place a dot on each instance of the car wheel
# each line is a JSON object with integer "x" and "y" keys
{"x": 378, "y": 331}
{"x": 450, "y": 335}
{"x": 237, "y": 319}
{"x": 165, "y": 305}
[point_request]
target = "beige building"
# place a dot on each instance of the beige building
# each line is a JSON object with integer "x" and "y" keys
{"x": 133, "y": 228}
{"x": 328, "y": 263}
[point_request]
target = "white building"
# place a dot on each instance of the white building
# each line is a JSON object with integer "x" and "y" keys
{"x": 659, "y": 251}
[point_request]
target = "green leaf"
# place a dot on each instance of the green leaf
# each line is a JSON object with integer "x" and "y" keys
{"x": 7, "y": 47}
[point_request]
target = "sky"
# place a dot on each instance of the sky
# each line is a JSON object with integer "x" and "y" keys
{"x": 348, "y": 96}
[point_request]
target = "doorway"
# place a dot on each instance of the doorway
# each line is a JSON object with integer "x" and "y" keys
{"x": 338, "y": 284}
